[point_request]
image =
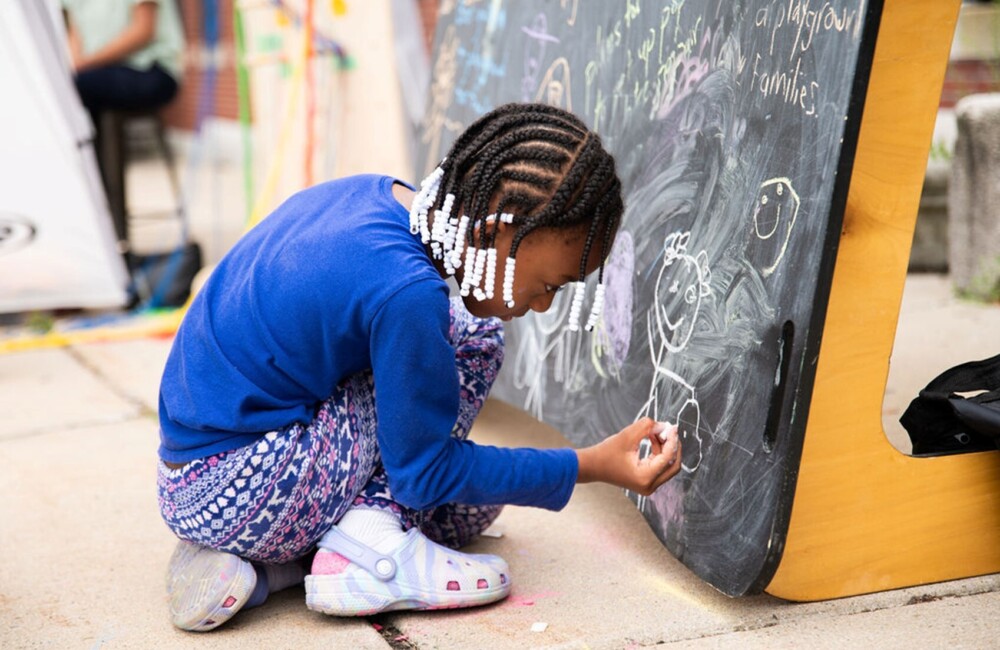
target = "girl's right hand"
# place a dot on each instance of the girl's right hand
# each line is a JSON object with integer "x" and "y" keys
{"x": 615, "y": 460}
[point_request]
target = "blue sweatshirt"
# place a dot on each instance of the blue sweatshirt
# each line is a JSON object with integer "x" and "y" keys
{"x": 330, "y": 284}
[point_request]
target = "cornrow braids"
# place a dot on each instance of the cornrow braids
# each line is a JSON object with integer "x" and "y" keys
{"x": 542, "y": 168}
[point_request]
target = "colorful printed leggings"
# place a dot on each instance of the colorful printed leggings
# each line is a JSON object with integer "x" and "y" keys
{"x": 271, "y": 501}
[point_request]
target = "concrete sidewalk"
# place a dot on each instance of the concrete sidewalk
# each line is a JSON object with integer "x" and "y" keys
{"x": 84, "y": 550}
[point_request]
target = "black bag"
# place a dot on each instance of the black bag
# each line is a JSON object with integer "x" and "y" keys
{"x": 940, "y": 421}
{"x": 164, "y": 279}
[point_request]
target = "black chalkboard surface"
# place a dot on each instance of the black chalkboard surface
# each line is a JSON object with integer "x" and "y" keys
{"x": 733, "y": 125}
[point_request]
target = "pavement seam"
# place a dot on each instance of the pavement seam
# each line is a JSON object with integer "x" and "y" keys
{"x": 392, "y": 635}
{"x": 143, "y": 408}
{"x": 62, "y": 428}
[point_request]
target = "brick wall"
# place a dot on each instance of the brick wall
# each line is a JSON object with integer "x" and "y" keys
{"x": 429, "y": 14}
{"x": 965, "y": 77}
{"x": 183, "y": 111}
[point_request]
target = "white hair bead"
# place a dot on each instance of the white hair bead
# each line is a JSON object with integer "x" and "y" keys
{"x": 576, "y": 306}
{"x": 508, "y": 283}
{"x": 425, "y": 233}
{"x": 491, "y": 272}
{"x": 437, "y": 233}
{"x": 456, "y": 252}
{"x": 477, "y": 275}
{"x": 595, "y": 309}
{"x": 422, "y": 203}
{"x": 470, "y": 264}
{"x": 447, "y": 237}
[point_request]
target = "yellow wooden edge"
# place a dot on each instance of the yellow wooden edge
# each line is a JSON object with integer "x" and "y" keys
{"x": 866, "y": 517}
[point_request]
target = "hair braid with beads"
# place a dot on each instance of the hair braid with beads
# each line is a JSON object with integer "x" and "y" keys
{"x": 544, "y": 168}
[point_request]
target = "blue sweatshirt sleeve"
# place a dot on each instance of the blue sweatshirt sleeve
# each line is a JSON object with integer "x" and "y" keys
{"x": 416, "y": 399}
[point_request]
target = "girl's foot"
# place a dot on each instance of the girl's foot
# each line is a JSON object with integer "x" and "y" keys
{"x": 351, "y": 579}
{"x": 206, "y": 587}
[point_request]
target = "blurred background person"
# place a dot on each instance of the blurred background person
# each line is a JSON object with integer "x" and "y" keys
{"x": 126, "y": 56}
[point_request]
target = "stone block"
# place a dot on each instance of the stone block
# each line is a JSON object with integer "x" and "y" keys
{"x": 974, "y": 199}
{"x": 930, "y": 236}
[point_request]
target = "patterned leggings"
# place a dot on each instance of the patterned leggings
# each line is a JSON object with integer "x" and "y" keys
{"x": 272, "y": 500}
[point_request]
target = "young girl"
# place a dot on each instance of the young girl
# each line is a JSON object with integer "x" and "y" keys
{"x": 321, "y": 387}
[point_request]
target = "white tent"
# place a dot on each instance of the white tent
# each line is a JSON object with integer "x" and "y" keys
{"x": 57, "y": 244}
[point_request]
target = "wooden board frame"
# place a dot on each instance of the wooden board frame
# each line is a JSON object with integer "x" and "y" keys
{"x": 866, "y": 517}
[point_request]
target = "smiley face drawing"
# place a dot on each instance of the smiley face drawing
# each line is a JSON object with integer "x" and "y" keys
{"x": 15, "y": 233}
{"x": 774, "y": 215}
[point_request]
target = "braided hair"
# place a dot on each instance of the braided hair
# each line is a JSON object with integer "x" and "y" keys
{"x": 545, "y": 169}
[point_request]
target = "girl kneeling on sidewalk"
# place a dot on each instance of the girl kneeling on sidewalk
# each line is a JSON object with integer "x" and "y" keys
{"x": 315, "y": 405}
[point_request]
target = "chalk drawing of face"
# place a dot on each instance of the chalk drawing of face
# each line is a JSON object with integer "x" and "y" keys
{"x": 774, "y": 215}
{"x": 15, "y": 233}
{"x": 683, "y": 282}
{"x": 555, "y": 88}
{"x": 616, "y": 334}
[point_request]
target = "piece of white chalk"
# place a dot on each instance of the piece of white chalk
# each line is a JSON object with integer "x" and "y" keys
{"x": 661, "y": 429}
{"x": 539, "y": 626}
{"x": 492, "y": 531}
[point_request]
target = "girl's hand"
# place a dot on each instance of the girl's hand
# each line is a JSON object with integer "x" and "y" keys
{"x": 616, "y": 460}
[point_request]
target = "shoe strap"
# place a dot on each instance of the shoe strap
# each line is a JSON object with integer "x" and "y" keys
{"x": 381, "y": 566}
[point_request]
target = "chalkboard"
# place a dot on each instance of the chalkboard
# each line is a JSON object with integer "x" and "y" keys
{"x": 734, "y": 126}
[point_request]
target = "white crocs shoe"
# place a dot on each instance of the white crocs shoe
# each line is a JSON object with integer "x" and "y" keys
{"x": 350, "y": 579}
{"x": 206, "y": 587}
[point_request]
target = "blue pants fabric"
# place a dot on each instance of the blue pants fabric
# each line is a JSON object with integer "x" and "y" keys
{"x": 271, "y": 501}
